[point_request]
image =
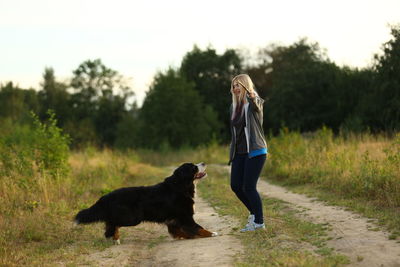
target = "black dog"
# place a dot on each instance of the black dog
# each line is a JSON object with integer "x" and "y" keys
{"x": 169, "y": 202}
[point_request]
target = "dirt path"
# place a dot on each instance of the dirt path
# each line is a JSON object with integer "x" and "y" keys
{"x": 150, "y": 245}
{"x": 165, "y": 251}
{"x": 350, "y": 234}
{"x": 215, "y": 251}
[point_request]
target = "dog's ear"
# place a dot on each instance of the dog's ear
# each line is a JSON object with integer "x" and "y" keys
{"x": 186, "y": 170}
{"x": 179, "y": 173}
{"x": 180, "y": 184}
{"x": 182, "y": 179}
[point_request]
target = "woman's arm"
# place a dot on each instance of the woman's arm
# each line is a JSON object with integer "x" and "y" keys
{"x": 256, "y": 101}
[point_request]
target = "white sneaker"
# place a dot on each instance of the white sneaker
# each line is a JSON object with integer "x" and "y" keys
{"x": 259, "y": 226}
{"x": 250, "y": 220}
{"x": 252, "y": 227}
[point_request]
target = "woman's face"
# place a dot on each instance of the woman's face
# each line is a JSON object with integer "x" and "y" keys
{"x": 237, "y": 88}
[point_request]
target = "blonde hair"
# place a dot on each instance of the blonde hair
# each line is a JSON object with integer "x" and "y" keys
{"x": 246, "y": 83}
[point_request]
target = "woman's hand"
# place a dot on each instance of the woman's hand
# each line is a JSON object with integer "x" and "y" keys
{"x": 251, "y": 94}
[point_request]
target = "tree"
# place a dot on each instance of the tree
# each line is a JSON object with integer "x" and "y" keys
{"x": 386, "y": 98}
{"x": 92, "y": 80}
{"x": 100, "y": 100}
{"x": 17, "y": 103}
{"x": 259, "y": 68}
{"x": 54, "y": 96}
{"x": 305, "y": 88}
{"x": 212, "y": 74}
{"x": 355, "y": 108}
{"x": 174, "y": 114}
{"x": 111, "y": 110}
{"x": 127, "y": 129}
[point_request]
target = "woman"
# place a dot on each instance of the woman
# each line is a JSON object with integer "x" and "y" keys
{"x": 248, "y": 149}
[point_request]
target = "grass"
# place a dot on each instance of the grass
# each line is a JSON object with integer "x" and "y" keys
{"x": 36, "y": 225}
{"x": 212, "y": 153}
{"x": 359, "y": 172}
{"x": 286, "y": 241}
{"x": 37, "y": 209}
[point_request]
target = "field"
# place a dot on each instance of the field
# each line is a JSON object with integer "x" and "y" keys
{"x": 42, "y": 186}
{"x": 361, "y": 172}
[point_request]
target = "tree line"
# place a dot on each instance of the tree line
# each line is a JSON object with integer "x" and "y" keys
{"x": 189, "y": 105}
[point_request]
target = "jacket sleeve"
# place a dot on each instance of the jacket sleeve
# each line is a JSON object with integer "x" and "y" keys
{"x": 256, "y": 102}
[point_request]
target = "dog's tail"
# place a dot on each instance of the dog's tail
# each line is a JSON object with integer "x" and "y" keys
{"x": 93, "y": 214}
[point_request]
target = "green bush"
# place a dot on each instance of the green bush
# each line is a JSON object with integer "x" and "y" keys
{"x": 39, "y": 147}
{"x": 51, "y": 147}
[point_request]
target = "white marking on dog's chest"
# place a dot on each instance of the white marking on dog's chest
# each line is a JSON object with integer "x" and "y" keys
{"x": 194, "y": 197}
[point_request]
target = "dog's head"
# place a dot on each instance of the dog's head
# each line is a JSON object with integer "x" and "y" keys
{"x": 190, "y": 171}
{"x": 184, "y": 176}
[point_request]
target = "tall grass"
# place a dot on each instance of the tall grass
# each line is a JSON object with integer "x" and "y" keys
{"x": 42, "y": 186}
{"x": 362, "y": 166}
{"x": 212, "y": 153}
{"x": 286, "y": 241}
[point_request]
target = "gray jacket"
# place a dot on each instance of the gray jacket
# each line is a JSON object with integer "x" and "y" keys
{"x": 256, "y": 144}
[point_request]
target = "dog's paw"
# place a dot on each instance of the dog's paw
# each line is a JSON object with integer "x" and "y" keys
{"x": 117, "y": 242}
{"x": 214, "y": 234}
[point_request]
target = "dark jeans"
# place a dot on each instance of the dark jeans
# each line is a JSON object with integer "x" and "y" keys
{"x": 244, "y": 176}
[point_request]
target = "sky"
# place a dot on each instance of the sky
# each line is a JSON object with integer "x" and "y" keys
{"x": 140, "y": 38}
